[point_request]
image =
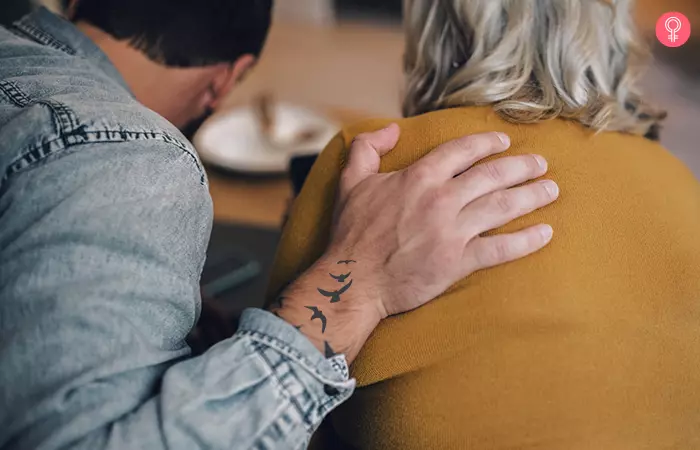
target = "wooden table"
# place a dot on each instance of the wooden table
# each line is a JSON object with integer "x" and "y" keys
{"x": 254, "y": 202}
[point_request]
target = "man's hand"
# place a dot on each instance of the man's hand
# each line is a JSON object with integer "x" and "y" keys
{"x": 401, "y": 239}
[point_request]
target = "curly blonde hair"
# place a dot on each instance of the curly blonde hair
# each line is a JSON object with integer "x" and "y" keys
{"x": 532, "y": 60}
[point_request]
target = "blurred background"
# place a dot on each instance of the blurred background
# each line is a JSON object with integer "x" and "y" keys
{"x": 342, "y": 59}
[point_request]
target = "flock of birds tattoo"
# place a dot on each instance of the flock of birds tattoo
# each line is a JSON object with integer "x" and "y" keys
{"x": 334, "y": 297}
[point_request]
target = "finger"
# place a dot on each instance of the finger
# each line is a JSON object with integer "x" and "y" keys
{"x": 454, "y": 157}
{"x": 364, "y": 155}
{"x": 497, "y": 175}
{"x": 501, "y": 207}
{"x": 482, "y": 253}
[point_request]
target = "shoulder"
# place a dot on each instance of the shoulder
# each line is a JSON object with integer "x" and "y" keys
{"x": 143, "y": 201}
{"x": 53, "y": 104}
{"x": 432, "y": 129}
{"x": 437, "y": 123}
{"x": 419, "y": 134}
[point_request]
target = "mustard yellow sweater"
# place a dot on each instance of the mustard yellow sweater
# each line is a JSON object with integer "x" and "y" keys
{"x": 593, "y": 343}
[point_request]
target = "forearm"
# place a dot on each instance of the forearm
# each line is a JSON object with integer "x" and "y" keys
{"x": 332, "y": 305}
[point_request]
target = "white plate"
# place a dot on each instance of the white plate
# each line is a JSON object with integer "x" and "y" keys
{"x": 232, "y": 140}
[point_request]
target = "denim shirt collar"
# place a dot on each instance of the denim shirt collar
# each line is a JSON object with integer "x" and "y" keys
{"x": 49, "y": 29}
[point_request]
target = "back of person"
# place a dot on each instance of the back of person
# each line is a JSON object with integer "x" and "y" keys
{"x": 88, "y": 177}
{"x": 590, "y": 344}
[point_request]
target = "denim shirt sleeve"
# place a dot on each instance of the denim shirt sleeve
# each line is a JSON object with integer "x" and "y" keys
{"x": 101, "y": 249}
{"x": 265, "y": 388}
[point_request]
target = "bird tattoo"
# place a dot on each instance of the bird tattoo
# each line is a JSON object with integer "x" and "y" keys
{"x": 318, "y": 314}
{"x": 328, "y": 350}
{"x": 340, "y": 278}
{"x": 347, "y": 261}
{"x": 335, "y": 296}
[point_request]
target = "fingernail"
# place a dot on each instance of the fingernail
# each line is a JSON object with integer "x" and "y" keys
{"x": 388, "y": 127}
{"x": 547, "y": 232}
{"x": 541, "y": 161}
{"x": 551, "y": 187}
{"x": 505, "y": 139}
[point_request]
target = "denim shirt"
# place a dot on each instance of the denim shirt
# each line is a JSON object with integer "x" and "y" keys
{"x": 105, "y": 217}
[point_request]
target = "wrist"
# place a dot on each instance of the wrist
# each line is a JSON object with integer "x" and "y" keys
{"x": 364, "y": 293}
{"x": 332, "y": 305}
{"x": 368, "y": 288}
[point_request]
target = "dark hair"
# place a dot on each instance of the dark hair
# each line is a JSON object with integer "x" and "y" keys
{"x": 183, "y": 33}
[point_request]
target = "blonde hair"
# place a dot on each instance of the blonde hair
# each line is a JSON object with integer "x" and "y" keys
{"x": 532, "y": 60}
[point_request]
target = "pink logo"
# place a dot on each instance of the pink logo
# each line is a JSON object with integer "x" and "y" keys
{"x": 673, "y": 29}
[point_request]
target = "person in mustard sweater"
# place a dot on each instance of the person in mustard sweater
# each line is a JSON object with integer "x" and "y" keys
{"x": 593, "y": 343}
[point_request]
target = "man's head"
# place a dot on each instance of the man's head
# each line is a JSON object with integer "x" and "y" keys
{"x": 180, "y": 57}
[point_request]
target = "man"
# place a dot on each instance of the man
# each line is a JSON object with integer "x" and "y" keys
{"x": 105, "y": 218}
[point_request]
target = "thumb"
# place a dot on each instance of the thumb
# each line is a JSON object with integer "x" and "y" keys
{"x": 364, "y": 155}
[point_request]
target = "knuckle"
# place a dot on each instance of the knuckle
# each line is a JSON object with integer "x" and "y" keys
{"x": 442, "y": 253}
{"x": 493, "y": 253}
{"x": 467, "y": 144}
{"x": 479, "y": 255}
{"x": 503, "y": 201}
{"x": 440, "y": 199}
{"x": 451, "y": 257}
{"x": 362, "y": 137}
{"x": 361, "y": 140}
{"x": 493, "y": 171}
{"x": 431, "y": 201}
{"x": 421, "y": 173}
{"x": 484, "y": 143}
{"x": 501, "y": 250}
{"x": 477, "y": 146}
{"x": 364, "y": 142}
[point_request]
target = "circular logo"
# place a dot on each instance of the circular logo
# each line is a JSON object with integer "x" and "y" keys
{"x": 673, "y": 29}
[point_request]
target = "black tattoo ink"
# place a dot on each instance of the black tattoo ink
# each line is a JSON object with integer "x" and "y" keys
{"x": 335, "y": 296}
{"x": 298, "y": 327}
{"x": 328, "y": 350}
{"x": 340, "y": 278}
{"x": 318, "y": 314}
{"x": 347, "y": 261}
